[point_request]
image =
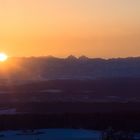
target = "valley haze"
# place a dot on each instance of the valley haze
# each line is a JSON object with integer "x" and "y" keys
{"x": 51, "y": 68}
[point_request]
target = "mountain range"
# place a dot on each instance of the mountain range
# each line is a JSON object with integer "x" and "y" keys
{"x": 50, "y": 68}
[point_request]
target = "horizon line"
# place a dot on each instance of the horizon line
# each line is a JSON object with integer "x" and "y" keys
{"x": 72, "y": 56}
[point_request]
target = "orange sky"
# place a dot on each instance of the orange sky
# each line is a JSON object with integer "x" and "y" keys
{"x": 96, "y": 28}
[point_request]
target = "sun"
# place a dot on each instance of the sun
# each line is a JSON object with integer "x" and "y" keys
{"x": 3, "y": 57}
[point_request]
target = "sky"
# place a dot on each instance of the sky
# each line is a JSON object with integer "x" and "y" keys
{"x": 96, "y": 28}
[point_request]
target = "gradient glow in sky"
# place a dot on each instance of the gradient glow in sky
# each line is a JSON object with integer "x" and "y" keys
{"x": 96, "y": 28}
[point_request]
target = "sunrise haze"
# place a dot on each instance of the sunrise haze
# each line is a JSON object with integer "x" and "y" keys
{"x": 96, "y": 28}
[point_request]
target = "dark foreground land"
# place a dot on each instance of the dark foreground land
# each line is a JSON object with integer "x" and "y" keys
{"x": 98, "y": 90}
{"x": 90, "y": 104}
{"x": 97, "y": 121}
{"x": 119, "y": 119}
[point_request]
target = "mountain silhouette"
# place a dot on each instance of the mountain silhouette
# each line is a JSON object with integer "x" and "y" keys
{"x": 73, "y": 68}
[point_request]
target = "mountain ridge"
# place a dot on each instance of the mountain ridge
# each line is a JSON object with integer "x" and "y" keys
{"x": 48, "y": 68}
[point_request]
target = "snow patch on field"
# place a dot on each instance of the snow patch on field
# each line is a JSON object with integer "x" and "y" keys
{"x": 51, "y": 134}
{"x": 8, "y": 111}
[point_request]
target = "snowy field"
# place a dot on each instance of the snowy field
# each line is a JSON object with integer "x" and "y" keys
{"x": 54, "y": 134}
{"x": 51, "y": 134}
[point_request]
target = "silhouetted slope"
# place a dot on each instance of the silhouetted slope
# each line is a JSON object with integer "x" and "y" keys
{"x": 73, "y": 68}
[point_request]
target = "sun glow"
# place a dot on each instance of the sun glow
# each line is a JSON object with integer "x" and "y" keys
{"x": 3, "y": 57}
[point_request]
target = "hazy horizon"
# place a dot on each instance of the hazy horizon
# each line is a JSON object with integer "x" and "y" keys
{"x": 95, "y": 28}
{"x": 65, "y": 57}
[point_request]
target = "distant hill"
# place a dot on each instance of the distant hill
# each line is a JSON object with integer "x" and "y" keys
{"x": 46, "y": 68}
